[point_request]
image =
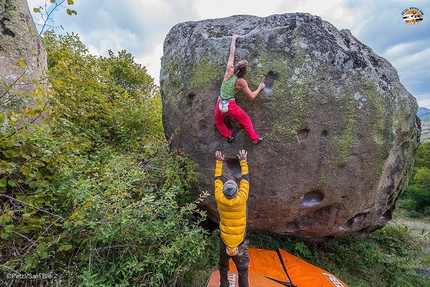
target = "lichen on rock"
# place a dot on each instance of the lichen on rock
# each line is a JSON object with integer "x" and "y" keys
{"x": 19, "y": 42}
{"x": 339, "y": 128}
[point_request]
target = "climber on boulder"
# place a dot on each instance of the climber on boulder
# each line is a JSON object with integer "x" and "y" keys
{"x": 234, "y": 82}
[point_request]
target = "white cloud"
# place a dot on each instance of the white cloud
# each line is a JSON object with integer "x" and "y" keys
{"x": 398, "y": 50}
{"x": 93, "y": 50}
{"x": 152, "y": 63}
{"x": 413, "y": 67}
{"x": 140, "y": 26}
{"x": 424, "y": 100}
{"x": 336, "y": 11}
{"x": 404, "y": 48}
{"x": 224, "y": 8}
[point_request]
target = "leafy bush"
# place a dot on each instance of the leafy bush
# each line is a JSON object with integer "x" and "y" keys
{"x": 111, "y": 100}
{"x": 92, "y": 197}
{"x": 133, "y": 232}
{"x": 416, "y": 198}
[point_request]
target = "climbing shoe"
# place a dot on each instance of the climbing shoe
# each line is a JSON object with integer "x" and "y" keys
{"x": 230, "y": 139}
{"x": 257, "y": 141}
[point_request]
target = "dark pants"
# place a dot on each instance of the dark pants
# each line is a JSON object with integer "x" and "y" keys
{"x": 241, "y": 260}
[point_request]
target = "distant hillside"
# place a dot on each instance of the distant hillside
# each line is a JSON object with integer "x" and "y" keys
{"x": 424, "y": 115}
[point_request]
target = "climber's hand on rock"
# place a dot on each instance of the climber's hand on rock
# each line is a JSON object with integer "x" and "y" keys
{"x": 219, "y": 155}
{"x": 261, "y": 86}
{"x": 242, "y": 154}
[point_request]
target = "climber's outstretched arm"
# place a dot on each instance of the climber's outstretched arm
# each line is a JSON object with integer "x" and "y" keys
{"x": 230, "y": 63}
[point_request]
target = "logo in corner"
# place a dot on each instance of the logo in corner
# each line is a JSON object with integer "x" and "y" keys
{"x": 412, "y": 16}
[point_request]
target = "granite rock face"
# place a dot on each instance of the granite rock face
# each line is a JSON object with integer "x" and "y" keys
{"x": 340, "y": 131}
{"x": 19, "y": 42}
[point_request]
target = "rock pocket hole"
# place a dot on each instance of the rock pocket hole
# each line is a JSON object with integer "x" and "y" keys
{"x": 269, "y": 80}
{"x": 302, "y": 134}
{"x": 312, "y": 198}
{"x": 288, "y": 228}
{"x": 203, "y": 124}
{"x": 323, "y": 138}
{"x": 387, "y": 216}
{"x": 233, "y": 166}
{"x": 351, "y": 221}
{"x": 190, "y": 99}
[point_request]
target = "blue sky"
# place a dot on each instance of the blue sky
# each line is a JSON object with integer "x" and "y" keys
{"x": 140, "y": 26}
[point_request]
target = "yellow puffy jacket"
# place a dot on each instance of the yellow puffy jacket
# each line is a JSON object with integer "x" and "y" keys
{"x": 232, "y": 212}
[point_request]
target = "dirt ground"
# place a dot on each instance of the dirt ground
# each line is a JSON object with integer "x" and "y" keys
{"x": 419, "y": 226}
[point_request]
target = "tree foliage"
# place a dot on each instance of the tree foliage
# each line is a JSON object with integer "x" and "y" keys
{"x": 112, "y": 99}
{"x": 417, "y": 195}
{"x": 92, "y": 196}
{"x": 422, "y": 157}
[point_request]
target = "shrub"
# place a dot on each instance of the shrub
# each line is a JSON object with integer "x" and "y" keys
{"x": 416, "y": 198}
{"x": 92, "y": 197}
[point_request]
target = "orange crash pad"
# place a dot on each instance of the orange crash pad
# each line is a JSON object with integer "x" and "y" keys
{"x": 271, "y": 268}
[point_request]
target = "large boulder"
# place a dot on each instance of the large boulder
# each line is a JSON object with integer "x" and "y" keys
{"x": 340, "y": 130}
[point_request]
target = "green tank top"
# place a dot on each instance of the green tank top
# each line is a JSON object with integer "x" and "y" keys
{"x": 228, "y": 88}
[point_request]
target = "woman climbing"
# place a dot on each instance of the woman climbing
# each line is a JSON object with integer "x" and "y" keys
{"x": 226, "y": 105}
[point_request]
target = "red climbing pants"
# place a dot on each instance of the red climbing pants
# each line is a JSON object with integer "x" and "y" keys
{"x": 239, "y": 115}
